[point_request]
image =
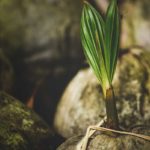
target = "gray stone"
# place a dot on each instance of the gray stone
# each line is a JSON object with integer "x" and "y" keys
{"x": 104, "y": 141}
{"x": 82, "y": 103}
{"x": 52, "y": 26}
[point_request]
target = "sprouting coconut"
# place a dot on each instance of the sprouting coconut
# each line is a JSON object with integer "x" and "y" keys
{"x": 85, "y": 103}
{"x": 100, "y": 40}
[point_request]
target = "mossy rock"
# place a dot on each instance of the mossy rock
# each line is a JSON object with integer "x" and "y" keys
{"x": 104, "y": 141}
{"x": 20, "y": 127}
{"x": 82, "y": 102}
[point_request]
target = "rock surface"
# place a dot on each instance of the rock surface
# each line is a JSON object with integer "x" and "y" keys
{"x": 106, "y": 142}
{"x": 21, "y": 128}
{"x": 82, "y": 103}
{"x": 44, "y": 26}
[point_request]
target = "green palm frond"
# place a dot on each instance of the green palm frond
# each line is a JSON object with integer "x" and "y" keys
{"x": 100, "y": 41}
{"x": 112, "y": 28}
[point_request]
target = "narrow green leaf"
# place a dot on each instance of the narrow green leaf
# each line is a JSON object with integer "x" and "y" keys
{"x": 92, "y": 38}
{"x": 100, "y": 41}
{"x": 112, "y": 36}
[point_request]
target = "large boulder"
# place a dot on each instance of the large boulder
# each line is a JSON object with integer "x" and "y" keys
{"x": 20, "y": 127}
{"x": 82, "y": 102}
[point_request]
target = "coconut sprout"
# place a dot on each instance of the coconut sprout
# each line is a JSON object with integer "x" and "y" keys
{"x": 100, "y": 40}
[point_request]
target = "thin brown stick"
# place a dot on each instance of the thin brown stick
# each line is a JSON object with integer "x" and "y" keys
{"x": 145, "y": 137}
{"x": 83, "y": 143}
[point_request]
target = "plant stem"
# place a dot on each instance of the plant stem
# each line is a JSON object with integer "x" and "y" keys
{"x": 111, "y": 110}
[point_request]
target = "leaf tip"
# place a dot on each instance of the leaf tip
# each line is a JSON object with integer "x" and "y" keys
{"x": 86, "y": 2}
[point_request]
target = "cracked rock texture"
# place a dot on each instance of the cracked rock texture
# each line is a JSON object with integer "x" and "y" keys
{"x": 104, "y": 141}
{"x": 82, "y": 103}
{"x": 21, "y": 128}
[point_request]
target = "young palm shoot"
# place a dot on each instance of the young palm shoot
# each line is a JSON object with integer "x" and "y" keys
{"x": 100, "y": 38}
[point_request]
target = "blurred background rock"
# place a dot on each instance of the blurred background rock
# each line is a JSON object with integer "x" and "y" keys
{"x": 84, "y": 106}
{"x": 21, "y": 128}
{"x": 41, "y": 42}
{"x": 41, "y": 39}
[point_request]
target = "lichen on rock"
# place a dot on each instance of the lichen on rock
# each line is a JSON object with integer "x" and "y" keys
{"x": 20, "y": 127}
